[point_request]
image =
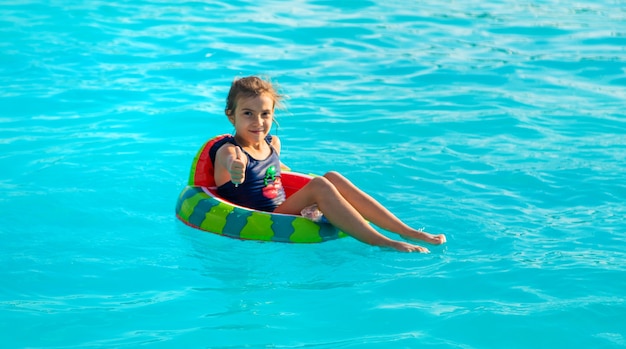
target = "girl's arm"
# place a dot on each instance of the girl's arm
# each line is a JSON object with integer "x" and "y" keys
{"x": 230, "y": 165}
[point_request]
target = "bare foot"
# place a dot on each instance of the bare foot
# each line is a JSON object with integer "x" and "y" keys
{"x": 426, "y": 237}
{"x": 406, "y": 247}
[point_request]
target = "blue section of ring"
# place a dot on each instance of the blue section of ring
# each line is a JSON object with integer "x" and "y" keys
{"x": 328, "y": 231}
{"x": 186, "y": 194}
{"x": 200, "y": 211}
{"x": 282, "y": 227}
{"x": 235, "y": 222}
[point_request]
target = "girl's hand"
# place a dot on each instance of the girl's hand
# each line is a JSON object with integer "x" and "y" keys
{"x": 237, "y": 168}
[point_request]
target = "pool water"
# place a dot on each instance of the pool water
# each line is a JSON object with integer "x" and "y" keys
{"x": 499, "y": 124}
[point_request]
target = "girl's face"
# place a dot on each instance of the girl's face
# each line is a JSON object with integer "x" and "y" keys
{"x": 252, "y": 118}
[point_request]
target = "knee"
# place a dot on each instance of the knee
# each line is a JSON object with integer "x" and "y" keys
{"x": 322, "y": 185}
{"x": 334, "y": 177}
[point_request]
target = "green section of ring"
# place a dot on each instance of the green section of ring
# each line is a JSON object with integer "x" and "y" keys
{"x": 187, "y": 202}
{"x": 305, "y": 230}
{"x": 199, "y": 209}
{"x": 216, "y": 218}
{"x": 258, "y": 227}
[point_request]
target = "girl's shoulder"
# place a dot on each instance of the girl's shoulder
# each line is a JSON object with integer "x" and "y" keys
{"x": 274, "y": 141}
{"x": 221, "y": 146}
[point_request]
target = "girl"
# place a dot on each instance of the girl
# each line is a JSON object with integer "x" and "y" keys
{"x": 247, "y": 173}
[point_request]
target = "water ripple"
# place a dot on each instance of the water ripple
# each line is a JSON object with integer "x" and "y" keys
{"x": 500, "y": 124}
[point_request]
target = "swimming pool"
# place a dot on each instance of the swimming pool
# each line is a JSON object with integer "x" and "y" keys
{"x": 500, "y": 125}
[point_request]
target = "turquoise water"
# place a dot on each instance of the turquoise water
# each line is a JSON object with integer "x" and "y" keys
{"x": 500, "y": 124}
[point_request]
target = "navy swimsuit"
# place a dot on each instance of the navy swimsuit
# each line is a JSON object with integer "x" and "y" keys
{"x": 262, "y": 188}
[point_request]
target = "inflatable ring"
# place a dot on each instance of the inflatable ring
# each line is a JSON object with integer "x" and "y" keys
{"x": 200, "y": 207}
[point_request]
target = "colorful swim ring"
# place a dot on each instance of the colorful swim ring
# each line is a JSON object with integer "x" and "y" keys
{"x": 200, "y": 207}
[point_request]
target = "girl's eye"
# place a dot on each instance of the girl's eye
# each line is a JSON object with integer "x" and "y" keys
{"x": 249, "y": 114}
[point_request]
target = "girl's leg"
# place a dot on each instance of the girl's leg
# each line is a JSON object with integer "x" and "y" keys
{"x": 376, "y": 213}
{"x": 340, "y": 213}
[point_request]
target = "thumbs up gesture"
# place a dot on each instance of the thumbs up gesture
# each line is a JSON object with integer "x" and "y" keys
{"x": 237, "y": 168}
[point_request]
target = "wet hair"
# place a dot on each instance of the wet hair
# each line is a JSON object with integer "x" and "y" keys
{"x": 250, "y": 86}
